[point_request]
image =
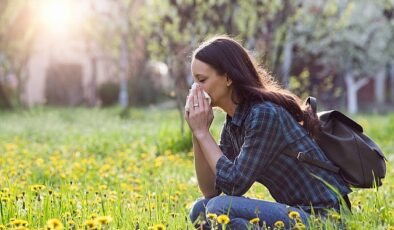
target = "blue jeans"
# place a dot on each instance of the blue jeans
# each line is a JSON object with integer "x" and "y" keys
{"x": 241, "y": 209}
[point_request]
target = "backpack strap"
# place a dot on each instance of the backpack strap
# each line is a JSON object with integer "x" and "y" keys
{"x": 307, "y": 159}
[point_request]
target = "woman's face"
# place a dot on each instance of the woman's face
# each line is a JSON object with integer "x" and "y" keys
{"x": 217, "y": 86}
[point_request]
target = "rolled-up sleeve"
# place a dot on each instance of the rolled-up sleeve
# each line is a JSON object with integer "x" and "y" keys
{"x": 225, "y": 144}
{"x": 262, "y": 141}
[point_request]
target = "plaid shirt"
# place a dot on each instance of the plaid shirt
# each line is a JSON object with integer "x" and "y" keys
{"x": 253, "y": 141}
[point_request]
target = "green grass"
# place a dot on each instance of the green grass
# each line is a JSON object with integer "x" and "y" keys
{"x": 134, "y": 166}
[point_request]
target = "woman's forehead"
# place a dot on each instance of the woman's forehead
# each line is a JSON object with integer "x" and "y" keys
{"x": 199, "y": 67}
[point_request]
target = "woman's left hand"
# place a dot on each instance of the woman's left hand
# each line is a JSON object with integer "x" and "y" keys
{"x": 200, "y": 114}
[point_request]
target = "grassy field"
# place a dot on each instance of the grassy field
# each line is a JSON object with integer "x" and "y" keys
{"x": 110, "y": 169}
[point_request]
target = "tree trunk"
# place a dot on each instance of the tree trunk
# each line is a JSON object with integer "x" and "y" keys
{"x": 380, "y": 89}
{"x": 391, "y": 75}
{"x": 352, "y": 86}
{"x": 93, "y": 82}
{"x": 287, "y": 59}
{"x": 123, "y": 67}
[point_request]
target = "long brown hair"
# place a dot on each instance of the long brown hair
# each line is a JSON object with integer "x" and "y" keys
{"x": 252, "y": 82}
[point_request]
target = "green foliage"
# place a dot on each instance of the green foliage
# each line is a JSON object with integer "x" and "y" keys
{"x": 142, "y": 91}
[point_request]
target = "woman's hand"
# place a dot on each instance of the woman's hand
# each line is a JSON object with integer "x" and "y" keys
{"x": 200, "y": 114}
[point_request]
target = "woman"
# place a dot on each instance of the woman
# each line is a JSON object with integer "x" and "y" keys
{"x": 263, "y": 120}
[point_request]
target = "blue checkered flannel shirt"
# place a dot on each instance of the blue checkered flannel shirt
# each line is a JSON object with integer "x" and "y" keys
{"x": 253, "y": 141}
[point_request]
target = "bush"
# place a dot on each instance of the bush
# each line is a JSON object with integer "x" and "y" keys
{"x": 63, "y": 85}
{"x": 5, "y": 94}
{"x": 108, "y": 93}
{"x": 142, "y": 91}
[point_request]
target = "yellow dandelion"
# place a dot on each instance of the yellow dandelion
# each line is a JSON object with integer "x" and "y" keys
{"x": 223, "y": 219}
{"x": 212, "y": 216}
{"x": 37, "y": 187}
{"x": 279, "y": 224}
{"x": 254, "y": 220}
{"x": 299, "y": 226}
{"x": 104, "y": 220}
{"x": 93, "y": 216}
{"x": 90, "y": 224}
{"x": 19, "y": 223}
{"x": 390, "y": 228}
{"x": 159, "y": 227}
{"x": 21, "y": 228}
{"x": 54, "y": 224}
{"x": 294, "y": 215}
{"x": 2, "y": 227}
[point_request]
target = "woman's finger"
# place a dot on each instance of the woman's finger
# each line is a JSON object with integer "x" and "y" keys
{"x": 195, "y": 103}
{"x": 200, "y": 97}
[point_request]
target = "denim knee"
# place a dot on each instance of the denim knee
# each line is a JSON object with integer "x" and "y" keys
{"x": 219, "y": 205}
{"x": 198, "y": 207}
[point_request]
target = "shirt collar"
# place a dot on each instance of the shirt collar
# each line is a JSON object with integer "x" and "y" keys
{"x": 241, "y": 111}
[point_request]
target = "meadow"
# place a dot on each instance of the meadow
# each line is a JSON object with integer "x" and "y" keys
{"x": 112, "y": 169}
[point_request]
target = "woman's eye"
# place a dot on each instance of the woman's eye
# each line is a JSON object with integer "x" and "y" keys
{"x": 202, "y": 81}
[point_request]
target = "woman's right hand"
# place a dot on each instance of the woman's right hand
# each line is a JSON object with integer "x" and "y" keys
{"x": 199, "y": 117}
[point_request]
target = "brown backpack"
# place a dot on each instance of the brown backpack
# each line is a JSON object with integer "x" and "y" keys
{"x": 354, "y": 155}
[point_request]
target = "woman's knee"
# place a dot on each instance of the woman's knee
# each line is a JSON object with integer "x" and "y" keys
{"x": 198, "y": 208}
{"x": 219, "y": 205}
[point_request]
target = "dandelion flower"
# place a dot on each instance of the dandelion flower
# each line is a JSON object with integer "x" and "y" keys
{"x": 212, "y": 216}
{"x": 223, "y": 219}
{"x": 37, "y": 187}
{"x": 279, "y": 224}
{"x": 19, "y": 223}
{"x": 21, "y": 228}
{"x": 104, "y": 220}
{"x": 294, "y": 215}
{"x": 159, "y": 227}
{"x": 54, "y": 224}
{"x": 90, "y": 224}
{"x": 254, "y": 220}
{"x": 299, "y": 226}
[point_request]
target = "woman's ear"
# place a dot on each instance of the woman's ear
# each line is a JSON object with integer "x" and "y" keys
{"x": 229, "y": 81}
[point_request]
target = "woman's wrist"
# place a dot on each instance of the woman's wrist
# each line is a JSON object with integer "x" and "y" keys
{"x": 198, "y": 135}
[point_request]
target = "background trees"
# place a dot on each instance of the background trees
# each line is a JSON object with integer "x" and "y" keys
{"x": 329, "y": 49}
{"x": 17, "y": 29}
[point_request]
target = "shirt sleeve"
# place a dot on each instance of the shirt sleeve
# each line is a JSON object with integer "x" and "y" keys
{"x": 262, "y": 142}
{"x": 225, "y": 144}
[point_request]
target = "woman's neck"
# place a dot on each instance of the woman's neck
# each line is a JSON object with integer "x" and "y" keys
{"x": 229, "y": 107}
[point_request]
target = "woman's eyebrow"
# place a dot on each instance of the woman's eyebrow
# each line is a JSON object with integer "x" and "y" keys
{"x": 199, "y": 75}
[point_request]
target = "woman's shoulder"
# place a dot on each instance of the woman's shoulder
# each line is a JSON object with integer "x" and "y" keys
{"x": 263, "y": 110}
{"x": 265, "y": 107}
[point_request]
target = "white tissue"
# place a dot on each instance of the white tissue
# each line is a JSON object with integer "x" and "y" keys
{"x": 206, "y": 96}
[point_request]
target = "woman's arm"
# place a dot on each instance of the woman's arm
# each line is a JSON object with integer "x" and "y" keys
{"x": 209, "y": 150}
{"x": 205, "y": 176}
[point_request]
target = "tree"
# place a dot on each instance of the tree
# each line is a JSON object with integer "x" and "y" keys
{"x": 180, "y": 25}
{"x": 17, "y": 31}
{"x": 116, "y": 27}
{"x": 351, "y": 38}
